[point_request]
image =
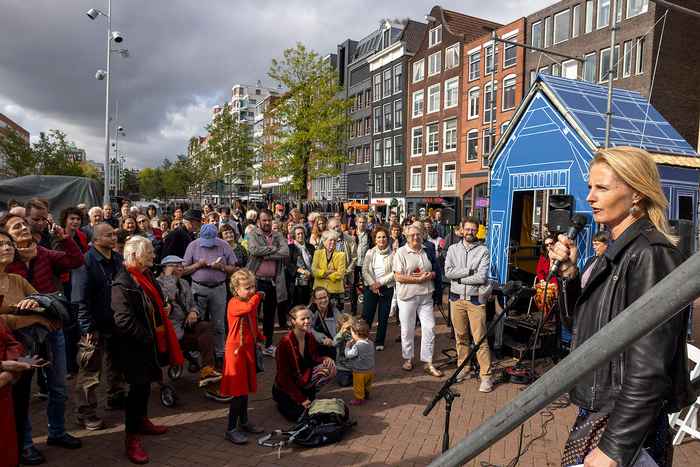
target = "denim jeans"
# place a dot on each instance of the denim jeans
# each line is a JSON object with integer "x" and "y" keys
{"x": 211, "y": 302}
{"x": 369, "y": 309}
{"x": 56, "y": 376}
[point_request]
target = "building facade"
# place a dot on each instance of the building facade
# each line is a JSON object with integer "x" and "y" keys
{"x": 484, "y": 115}
{"x": 581, "y": 28}
{"x": 389, "y": 68}
{"x": 7, "y": 125}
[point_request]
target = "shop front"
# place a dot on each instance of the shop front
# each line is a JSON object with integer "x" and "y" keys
{"x": 426, "y": 206}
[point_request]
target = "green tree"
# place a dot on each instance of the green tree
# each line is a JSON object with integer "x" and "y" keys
{"x": 151, "y": 183}
{"x": 130, "y": 185}
{"x": 19, "y": 155}
{"x": 305, "y": 134}
{"x": 178, "y": 176}
{"x": 53, "y": 154}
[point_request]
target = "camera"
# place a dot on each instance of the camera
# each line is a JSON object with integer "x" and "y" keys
{"x": 117, "y": 37}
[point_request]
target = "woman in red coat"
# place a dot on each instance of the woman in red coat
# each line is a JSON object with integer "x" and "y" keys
{"x": 239, "y": 378}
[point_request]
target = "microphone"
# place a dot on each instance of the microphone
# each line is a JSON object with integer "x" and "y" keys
{"x": 577, "y": 224}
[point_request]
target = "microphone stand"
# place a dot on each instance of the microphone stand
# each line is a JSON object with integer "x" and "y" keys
{"x": 446, "y": 392}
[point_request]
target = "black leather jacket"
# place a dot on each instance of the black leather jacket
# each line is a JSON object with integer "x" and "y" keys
{"x": 651, "y": 376}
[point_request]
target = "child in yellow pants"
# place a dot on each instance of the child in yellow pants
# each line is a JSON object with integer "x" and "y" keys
{"x": 360, "y": 357}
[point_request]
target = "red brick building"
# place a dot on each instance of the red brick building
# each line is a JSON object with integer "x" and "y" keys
{"x": 480, "y": 114}
{"x": 7, "y": 125}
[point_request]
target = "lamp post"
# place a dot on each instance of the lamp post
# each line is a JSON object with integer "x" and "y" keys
{"x": 117, "y": 38}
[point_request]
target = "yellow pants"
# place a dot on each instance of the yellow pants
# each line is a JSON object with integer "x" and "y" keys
{"x": 362, "y": 383}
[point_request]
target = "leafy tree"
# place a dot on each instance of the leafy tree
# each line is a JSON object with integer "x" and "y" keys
{"x": 150, "y": 183}
{"x": 90, "y": 171}
{"x": 305, "y": 134}
{"x": 229, "y": 148}
{"x": 53, "y": 154}
{"x": 178, "y": 176}
{"x": 130, "y": 185}
{"x": 19, "y": 155}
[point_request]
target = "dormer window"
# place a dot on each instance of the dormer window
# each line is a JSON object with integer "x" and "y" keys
{"x": 435, "y": 36}
{"x": 386, "y": 38}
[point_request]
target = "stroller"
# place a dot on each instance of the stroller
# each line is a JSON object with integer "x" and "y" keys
{"x": 168, "y": 395}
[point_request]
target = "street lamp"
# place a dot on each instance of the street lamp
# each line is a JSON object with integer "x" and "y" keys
{"x": 116, "y": 37}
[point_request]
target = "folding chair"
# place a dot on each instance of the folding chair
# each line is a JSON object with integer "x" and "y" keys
{"x": 689, "y": 424}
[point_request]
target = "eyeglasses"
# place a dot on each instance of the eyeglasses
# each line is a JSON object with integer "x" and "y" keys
{"x": 471, "y": 230}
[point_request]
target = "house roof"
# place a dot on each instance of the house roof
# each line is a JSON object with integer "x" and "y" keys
{"x": 469, "y": 27}
{"x": 413, "y": 34}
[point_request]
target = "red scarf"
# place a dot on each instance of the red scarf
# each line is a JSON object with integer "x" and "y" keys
{"x": 170, "y": 344}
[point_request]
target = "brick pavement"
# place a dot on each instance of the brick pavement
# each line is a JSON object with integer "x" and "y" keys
{"x": 390, "y": 431}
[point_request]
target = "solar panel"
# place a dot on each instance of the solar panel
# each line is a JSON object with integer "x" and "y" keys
{"x": 635, "y": 122}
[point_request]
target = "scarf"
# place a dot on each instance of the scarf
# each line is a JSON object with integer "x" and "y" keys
{"x": 167, "y": 342}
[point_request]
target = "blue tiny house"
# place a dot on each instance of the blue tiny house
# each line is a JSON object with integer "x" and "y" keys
{"x": 546, "y": 150}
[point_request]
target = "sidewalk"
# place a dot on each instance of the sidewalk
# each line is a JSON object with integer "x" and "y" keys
{"x": 390, "y": 428}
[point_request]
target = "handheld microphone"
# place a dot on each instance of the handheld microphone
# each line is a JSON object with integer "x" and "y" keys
{"x": 577, "y": 224}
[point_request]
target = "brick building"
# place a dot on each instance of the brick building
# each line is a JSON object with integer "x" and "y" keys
{"x": 433, "y": 123}
{"x": 581, "y": 28}
{"x": 480, "y": 114}
{"x": 7, "y": 125}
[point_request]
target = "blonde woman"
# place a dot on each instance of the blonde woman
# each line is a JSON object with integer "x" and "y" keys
{"x": 328, "y": 268}
{"x": 623, "y": 405}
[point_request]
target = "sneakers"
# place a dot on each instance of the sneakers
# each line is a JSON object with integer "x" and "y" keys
{"x": 208, "y": 375}
{"x": 215, "y": 395}
{"x": 407, "y": 365}
{"x": 236, "y": 437}
{"x": 134, "y": 450}
{"x": 379, "y": 348}
{"x": 357, "y": 402}
{"x": 91, "y": 422}
{"x": 250, "y": 428}
{"x": 486, "y": 384}
{"x": 432, "y": 371}
{"x": 269, "y": 351}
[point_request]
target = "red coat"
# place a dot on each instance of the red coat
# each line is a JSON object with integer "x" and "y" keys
{"x": 239, "y": 378}
{"x": 291, "y": 377}
{"x": 10, "y": 349}
{"x": 48, "y": 264}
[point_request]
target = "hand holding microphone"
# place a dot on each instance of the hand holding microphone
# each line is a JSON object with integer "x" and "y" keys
{"x": 565, "y": 252}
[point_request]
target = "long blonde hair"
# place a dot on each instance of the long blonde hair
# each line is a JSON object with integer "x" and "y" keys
{"x": 637, "y": 168}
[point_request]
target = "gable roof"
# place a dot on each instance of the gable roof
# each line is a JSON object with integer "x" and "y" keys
{"x": 469, "y": 27}
{"x": 413, "y": 35}
{"x": 635, "y": 122}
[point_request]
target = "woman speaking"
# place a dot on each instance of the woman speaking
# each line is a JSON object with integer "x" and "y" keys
{"x": 623, "y": 404}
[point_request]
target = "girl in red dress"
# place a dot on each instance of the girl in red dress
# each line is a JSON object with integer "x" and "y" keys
{"x": 239, "y": 378}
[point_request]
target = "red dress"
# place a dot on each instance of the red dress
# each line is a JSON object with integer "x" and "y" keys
{"x": 239, "y": 378}
{"x": 10, "y": 349}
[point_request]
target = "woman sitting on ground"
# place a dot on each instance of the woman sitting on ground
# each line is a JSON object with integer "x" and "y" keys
{"x": 325, "y": 321}
{"x": 301, "y": 370}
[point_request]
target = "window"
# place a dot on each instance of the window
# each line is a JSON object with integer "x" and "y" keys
{"x": 377, "y": 86}
{"x": 604, "y": 65}
{"x": 417, "y": 104}
{"x": 378, "y": 183}
{"x": 488, "y": 142}
{"x": 547, "y": 31}
{"x": 504, "y": 128}
{"x": 562, "y": 26}
{"x": 388, "y": 183}
{"x": 366, "y": 151}
{"x": 435, "y": 36}
{"x": 398, "y": 113}
{"x": 451, "y": 92}
{"x": 509, "y": 54}
{"x": 368, "y": 125}
{"x": 368, "y": 97}
{"x": 569, "y": 69}
{"x": 415, "y": 178}
{"x": 388, "y": 152}
{"x": 451, "y": 56}
{"x": 474, "y": 64}
{"x": 358, "y": 156}
{"x": 472, "y": 145}
{"x": 639, "y": 59}
{"x": 398, "y": 182}
{"x": 533, "y": 76}
{"x": 431, "y": 177}
{"x": 433, "y": 139}
{"x": 473, "y": 111}
{"x": 398, "y": 78}
{"x": 377, "y": 120}
{"x": 509, "y": 93}
{"x": 537, "y": 34}
{"x": 386, "y": 38}
{"x": 417, "y": 141}
{"x": 589, "y": 17}
{"x": 388, "y": 114}
{"x": 636, "y": 7}
{"x": 387, "y": 82}
{"x": 576, "y": 18}
{"x": 352, "y": 129}
{"x": 433, "y": 98}
{"x": 627, "y": 59}
{"x": 556, "y": 69}
{"x": 418, "y": 70}
{"x": 378, "y": 153}
{"x": 448, "y": 176}
{"x": 450, "y": 135}
{"x": 618, "y": 11}
{"x": 398, "y": 150}
{"x": 589, "y": 67}
{"x": 434, "y": 65}
{"x": 488, "y": 59}
{"x": 603, "y": 17}
{"x": 489, "y": 103}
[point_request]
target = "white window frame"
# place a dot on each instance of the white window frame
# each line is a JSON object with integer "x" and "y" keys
{"x": 601, "y": 71}
{"x": 387, "y": 187}
{"x": 451, "y": 51}
{"x": 432, "y": 61}
{"x": 431, "y": 92}
{"x": 504, "y": 127}
{"x": 576, "y": 21}
{"x": 593, "y": 63}
{"x": 398, "y": 75}
{"x": 599, "y": 10}
{"x": 398, "y": 138}
{"x": 476, "y": 154}
{"x": 444, "y": 135}
{"x": 377, "y": 161}
{"x": 492, "y": 48}
{"x": 377, "y": 95}
{"x": 415, "y": 95}
{"x": 446, "y": 100}
{"x": 507, "y": 47}
{"x": 454, "y": 176}
{"x": 644, "y": 9}
{"x": 391, "y": 116}
{"x": 378, "y": 180}
{"x": 376, "y": 129}
{"x": 554, "y": 22}
{"x": 627, "y": 59}
{"x": 413, "y": 141}
{"x": 508, "y": 79}
{"x": 428, "y": 152}
{"x": 384, "y": 81}
{"x": 471, "y": 115}
{"x": 478, "y": 66}
{"x": 539, "y": 43}
{"x": 566, "y": 64}
{"x": 437, "y": 176}
{"x": 397, "y": 188}
{"x": 416, "y": 170}
{"x": 494, "y": 106}
{"x": 418, "y": 66}
{"x": 639, "y": 56}
{"x": 547, "y": 31}
{"x": 590, "y": 16}
{"x": 398, "y": 123}
{"x": 390, "y": 147}
{"x": 435, "y": 36}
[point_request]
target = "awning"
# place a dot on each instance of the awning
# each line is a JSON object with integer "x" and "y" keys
{"x": 678, "y": 161}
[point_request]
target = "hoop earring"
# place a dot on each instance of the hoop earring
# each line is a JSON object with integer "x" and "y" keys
{"x": 635, "y": 211}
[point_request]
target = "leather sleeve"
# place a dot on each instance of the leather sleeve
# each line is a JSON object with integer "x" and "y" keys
{"x": 568, "y": 294}
{"x": 124, "y": 320}
{"x": 646, "y": 380}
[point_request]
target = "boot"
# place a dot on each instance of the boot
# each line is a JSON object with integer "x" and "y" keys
{"x": 148, "y": 428}
{"x": 134, "y": 450}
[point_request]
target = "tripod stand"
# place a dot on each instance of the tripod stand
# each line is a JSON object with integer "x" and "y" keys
{"x": 446, "y": 391}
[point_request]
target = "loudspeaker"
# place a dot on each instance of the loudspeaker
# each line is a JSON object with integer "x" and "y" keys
{"x": 561, "y": 209}
{"x": 686, "y": 232}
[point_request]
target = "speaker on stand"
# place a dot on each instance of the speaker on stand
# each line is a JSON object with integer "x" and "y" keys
{"x": 561, "y": 210}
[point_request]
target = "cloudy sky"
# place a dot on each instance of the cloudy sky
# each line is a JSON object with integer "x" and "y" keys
{"x": 185, "y": 57}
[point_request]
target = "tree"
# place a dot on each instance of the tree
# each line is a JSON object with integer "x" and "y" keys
{"x": 19, "y": 156}
{"x": 53, "y": 154}
{"x": 90, "y": 171}
{"x": 150, "y": 183}
{"x": 178, "y": 176}
{"x": 130, "y": 185}
{"x": 305, "y": 134}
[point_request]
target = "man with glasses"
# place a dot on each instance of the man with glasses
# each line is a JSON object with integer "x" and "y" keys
{"x": 467, "y": 267}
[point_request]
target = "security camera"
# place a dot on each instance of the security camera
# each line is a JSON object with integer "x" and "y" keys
{"x": 120, "y": 128}
{"x": 117, "y": 37}
{"x": 93, "y": 13}
{"x": 100, "y": 75}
